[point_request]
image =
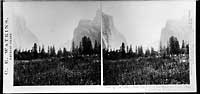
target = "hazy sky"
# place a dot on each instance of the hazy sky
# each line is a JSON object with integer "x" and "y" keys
{"x": 141, "y": 22}
{"x": 54, "y": 22}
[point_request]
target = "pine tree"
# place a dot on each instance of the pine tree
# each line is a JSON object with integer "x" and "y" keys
{"x": 161, "y": 49}
{"x": 59, "y": 53}
{"x": 80, "y": 49}
{"x": 34, "y": 51}
{"x": 130, "y": 50}
{"x": 48, "y": 52}
{"x": 168, "y": 48}
{"x": 147, "y": 52}
{"x": 39, "y": 50}
{"x": 16, "y": 54}
{"x": 136, "y": 51}
{"x": 73, "y": 47}
{"x": 99, "y": 50}
{"x": 96, "y": 47}
{"x": 183, "y": 47}
{"x": 140, "y": 51}
{"x": 53, "y": 51}
{"x": 152, "y": 52}
{"x": 87, "y": 45}
{"x": 127, "y": 49}
{"x": 187, "y": 49}
{"x": 174, "y": 46}
{"x": 122, "y": 50}
{"x": 64, "y": 52}
{"x": 42, "y": 52}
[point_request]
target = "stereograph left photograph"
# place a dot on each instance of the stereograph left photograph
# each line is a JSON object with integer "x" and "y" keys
{"x": 56, "y": 43}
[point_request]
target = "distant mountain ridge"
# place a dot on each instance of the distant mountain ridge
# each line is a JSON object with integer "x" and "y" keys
{"x": 23, "y": 37}
{"x": 111, "y": 38}
{"x": 89, "y": 28}
{"x": 182, "y": 29}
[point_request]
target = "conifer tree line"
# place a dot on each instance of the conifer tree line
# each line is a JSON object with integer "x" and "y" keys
{"x": 85, "y": 48}
{"x": 37, "y": 51}
{"x": 173, "y": 48}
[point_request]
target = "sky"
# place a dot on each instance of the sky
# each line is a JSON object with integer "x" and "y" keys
{"x": 54, "y": 22}
{"x": 141, "y": 22}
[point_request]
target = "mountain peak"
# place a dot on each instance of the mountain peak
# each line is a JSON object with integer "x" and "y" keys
{"x": 23, "y": 37}
{"x": 112, "y": 38}
{"x": 92, "y": 28}
{"x": 88, "y": 28}
{"x": 178, "y": 28}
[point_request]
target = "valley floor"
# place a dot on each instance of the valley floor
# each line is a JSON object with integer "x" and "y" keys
{"x": 58, "y": 71}
{"x": 146, "y": 70}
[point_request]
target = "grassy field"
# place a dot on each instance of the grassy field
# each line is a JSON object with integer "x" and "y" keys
{"x": 146, "y": 70}
{"x": 57, "y": 71}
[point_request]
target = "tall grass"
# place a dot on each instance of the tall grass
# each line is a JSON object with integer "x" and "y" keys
{"x": 145, "y": 71}
{"x": 83, "y": 71}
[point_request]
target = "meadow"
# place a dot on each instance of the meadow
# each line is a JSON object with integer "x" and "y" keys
{"x": 58, "y": 71}
{"x": 146, "y": 71}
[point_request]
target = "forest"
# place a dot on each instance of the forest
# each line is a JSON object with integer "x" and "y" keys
{"x": 38, "y": 52}
{"x": 38, "y": 66}
{"x": 169, "y": 65}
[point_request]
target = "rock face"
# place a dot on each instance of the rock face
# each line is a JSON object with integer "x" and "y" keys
{"x": 92, "y": 28}
{"x": 111, "y": 37}
{"x": 23, "y": 38}
{"x": 89, "y": 28}
{"x": 182, "y": 29}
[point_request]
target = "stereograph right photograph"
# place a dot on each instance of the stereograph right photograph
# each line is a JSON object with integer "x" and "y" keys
{"x": 147, "y": 43}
